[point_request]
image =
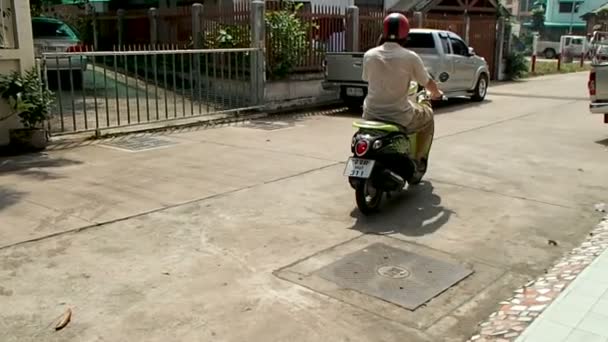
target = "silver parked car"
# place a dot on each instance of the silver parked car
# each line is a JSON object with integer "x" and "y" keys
{"x": 53, "y": 35}
{"x": 444, "y": 54}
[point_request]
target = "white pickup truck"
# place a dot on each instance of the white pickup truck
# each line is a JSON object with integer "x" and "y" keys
{"x": 443, "y": 53}
{"x": 572, "y": 44}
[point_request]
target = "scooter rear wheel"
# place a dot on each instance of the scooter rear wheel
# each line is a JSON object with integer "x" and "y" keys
{"x": 368, "y": 198}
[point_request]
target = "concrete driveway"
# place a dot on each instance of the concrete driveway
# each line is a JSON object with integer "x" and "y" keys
{"x": 220, "y": 234}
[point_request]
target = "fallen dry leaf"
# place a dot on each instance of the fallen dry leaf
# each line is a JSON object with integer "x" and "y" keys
{"x": 65, "y": 319}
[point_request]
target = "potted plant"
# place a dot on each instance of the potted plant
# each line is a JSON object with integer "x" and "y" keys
{"x": 29, "y": 99}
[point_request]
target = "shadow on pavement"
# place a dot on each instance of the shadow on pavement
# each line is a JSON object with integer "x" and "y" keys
{"x": 283, "y": 120}
{"x": 539, "y": 97}
{"x": 8, "y": 197}
{"x": 498, "y": 84}
{"x": 34, "y": 165}
{"x": 415, "y": 212}
{"x": 456, "y": 104}
{"x": 603, "y": 142}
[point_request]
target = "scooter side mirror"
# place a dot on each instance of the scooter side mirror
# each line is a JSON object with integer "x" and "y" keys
{"x": 444, "y": 77}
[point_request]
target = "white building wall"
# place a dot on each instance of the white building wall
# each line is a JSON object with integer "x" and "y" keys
{"x": 18, "y": 52}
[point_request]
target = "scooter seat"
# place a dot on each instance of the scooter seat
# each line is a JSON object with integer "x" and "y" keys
{"x": 376, "y": 125}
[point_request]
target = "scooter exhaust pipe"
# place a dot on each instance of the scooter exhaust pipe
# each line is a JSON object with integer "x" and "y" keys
{"x": 391, "y": 181}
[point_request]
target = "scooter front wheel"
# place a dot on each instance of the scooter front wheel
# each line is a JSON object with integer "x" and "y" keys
{"x": 368, "y": 198}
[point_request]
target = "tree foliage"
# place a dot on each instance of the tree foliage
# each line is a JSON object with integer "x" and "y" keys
{"x": 538, "y": 18}
{"x": 517, "y": 66}
{"x": 37, "y": 6}
{"x": 288, "y": 38}
{"x": 27, "y": 96}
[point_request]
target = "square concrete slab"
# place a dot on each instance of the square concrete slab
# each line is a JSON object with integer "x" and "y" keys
{"x": 465, "y": 300}
{"x": 268, "y": 125}
{"x": 394, "y": 275}
{"x": 138, "y": 143}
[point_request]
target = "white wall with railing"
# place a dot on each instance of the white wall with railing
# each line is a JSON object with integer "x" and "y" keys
{"x": 16, "y": 50}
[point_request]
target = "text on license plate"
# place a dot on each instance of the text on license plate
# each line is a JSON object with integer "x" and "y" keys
{"x": 360, "y": 168}
{"x": 358, "y": 92}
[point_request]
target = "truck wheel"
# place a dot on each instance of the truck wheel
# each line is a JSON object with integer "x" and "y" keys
{"x": 549, "y": 53}
{"x": 481, "y": 89}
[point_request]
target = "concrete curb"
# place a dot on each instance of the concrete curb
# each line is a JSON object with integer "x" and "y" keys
{"x": 206, "y": 121}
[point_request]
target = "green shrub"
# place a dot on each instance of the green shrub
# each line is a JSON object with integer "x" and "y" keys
{"x": 288, "y": 40}
{"x": 28, "y": 97}
{"x": 517, "y": 66}
{"x": 227, "y": 37}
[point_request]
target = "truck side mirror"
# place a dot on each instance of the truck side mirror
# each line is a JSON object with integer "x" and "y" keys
{"x": 471, "y": 51}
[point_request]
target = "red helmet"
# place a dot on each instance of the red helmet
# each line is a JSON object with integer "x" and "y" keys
{"x": 396, "y": 27}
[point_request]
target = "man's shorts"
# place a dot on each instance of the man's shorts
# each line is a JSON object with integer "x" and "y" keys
{"x": 422, "y": 118}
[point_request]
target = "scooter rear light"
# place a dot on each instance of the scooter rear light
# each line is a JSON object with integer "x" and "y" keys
{"x": 361, "y": 147}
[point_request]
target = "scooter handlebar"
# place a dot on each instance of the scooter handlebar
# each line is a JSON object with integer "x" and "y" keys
{"x": 441, "y": 98}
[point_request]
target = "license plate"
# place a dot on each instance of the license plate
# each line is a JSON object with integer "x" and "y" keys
{"x": 359, "y": 168}
{"x": 355, "y": 92}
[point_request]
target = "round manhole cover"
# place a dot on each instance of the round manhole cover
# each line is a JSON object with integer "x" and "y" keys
{"x": 393, "y": 272}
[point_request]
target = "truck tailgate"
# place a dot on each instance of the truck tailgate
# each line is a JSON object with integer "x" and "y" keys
{"x": 598, "y": 90}
{"x": 601, "y": 83}
{"x": 344, "y": 67}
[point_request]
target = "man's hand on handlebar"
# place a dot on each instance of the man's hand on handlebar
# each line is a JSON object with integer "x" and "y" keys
{"x": 437, "y": 95}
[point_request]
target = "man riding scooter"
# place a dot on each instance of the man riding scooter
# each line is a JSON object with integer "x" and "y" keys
{"x": 389, "y": 69}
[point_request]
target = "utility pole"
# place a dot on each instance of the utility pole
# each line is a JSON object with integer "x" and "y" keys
{"x": 575, "y": 6}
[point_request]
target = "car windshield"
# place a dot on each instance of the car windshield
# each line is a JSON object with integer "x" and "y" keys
{"x": 53, "y": 29}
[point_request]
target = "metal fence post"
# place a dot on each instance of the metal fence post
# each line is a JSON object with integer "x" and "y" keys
{"x": 258, "y": 67}
{"x": 153, "y": 17}
{"x": 535, "y": 37}
{"x": 352, "y": 28}
{"x": 93, "y": 14}
{"x": 197, "y": 43}
{"x": 467, "y": 27}
{"x": 121, "y": 20}
{"x": 197, "y": 11}
{"x": 501, "y": 46}
{"x": 418, "y": 20}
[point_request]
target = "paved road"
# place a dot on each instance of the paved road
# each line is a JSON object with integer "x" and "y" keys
{"x": 220, "y": 236}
